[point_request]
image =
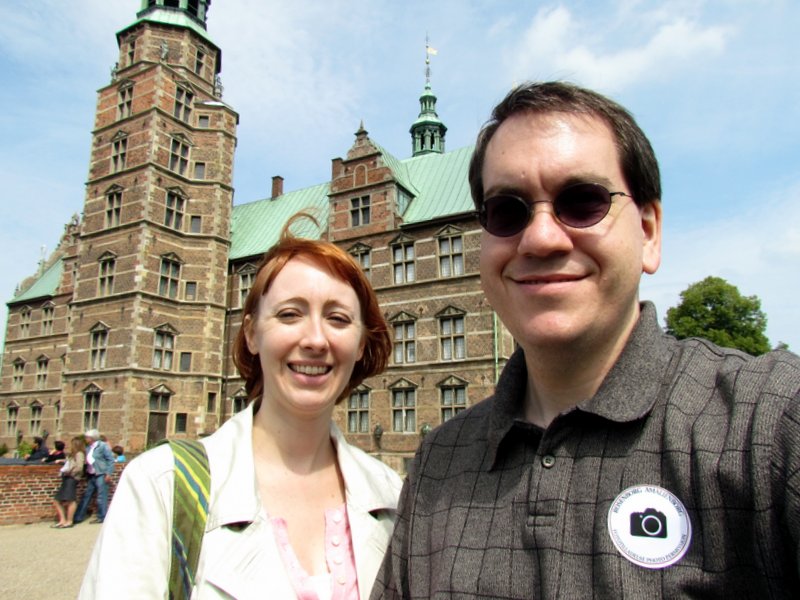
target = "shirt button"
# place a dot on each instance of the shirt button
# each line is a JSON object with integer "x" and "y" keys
{"x": 548, "y": 460}
{"x": 337, "y": 559}
{"x": 335, "y": 540}
{"x": 341, "y": 580}
{"x": 337, "y": 517}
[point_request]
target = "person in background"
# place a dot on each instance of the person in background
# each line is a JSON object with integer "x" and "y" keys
{"x": 294, "y": 510}
{"x": 39, "y": 451}
{"x": 56, "y": 455}
{"x": 612, "y": 460}
{"x": 119, "y": 452}
{"x": 71, "y": 472}
{"x": 99, "y": 468}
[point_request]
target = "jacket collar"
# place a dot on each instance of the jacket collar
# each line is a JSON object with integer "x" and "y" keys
{"x": 234, "y": 489}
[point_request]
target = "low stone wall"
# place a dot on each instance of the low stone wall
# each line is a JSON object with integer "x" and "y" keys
{"x": 27, "y": 491}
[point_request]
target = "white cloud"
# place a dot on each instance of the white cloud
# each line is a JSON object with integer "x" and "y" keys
{"x": 606, "y": 54}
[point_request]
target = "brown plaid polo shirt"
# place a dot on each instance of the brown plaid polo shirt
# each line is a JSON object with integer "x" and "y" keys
{"x": 494, "y": 507}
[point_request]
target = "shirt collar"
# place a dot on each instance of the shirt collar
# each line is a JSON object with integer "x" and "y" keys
{"x": 627, "y": 393}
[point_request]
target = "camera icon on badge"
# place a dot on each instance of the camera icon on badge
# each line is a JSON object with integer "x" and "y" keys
{"x": 649, "y": 523}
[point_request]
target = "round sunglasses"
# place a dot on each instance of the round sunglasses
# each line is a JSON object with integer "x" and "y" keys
{"x": 580, "y": 205}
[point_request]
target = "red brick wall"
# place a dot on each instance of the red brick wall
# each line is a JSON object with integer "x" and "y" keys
{"x": 28, "y": 491}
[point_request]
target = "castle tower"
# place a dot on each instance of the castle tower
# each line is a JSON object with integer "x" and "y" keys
{"x": 427, "y": 132}
{"x": 148, "y": 308}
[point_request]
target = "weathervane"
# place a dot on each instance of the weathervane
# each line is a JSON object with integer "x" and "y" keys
{"x": 428, "y": 52}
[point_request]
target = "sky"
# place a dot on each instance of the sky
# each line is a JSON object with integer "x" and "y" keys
{"x": 715, "y": 85}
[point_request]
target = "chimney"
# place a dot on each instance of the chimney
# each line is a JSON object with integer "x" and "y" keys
{"x": 277, "y": 186}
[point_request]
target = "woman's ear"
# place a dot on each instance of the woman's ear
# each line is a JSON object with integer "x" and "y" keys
{"x": 249, "y": 335}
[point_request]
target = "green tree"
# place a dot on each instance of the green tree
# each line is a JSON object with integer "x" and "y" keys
{"x": 714, "y": 309}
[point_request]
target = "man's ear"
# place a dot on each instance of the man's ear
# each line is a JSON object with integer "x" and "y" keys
{"x": 651, "y": 238}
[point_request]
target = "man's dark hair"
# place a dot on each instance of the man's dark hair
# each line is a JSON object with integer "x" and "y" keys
{"x": 636, "y": 156}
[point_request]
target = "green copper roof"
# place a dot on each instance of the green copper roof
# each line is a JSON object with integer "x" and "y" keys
{"x": 442, "y": 183}
{"x": 398, "y": 169}
{"x": 45, "y": 286}
{"x": 437, "y": 182}
{"x": 166, "y": 16}
{"x": 257, "y": 225}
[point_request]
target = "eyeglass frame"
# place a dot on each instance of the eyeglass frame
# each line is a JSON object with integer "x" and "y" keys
{"x": 529, "y": 206}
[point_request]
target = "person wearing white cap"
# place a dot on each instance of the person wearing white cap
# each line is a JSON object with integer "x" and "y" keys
{"x": 99, "y": 468}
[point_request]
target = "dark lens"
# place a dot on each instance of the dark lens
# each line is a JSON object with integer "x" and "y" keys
{"x": 505, "y": 216}
{"x": 582, "y": 205}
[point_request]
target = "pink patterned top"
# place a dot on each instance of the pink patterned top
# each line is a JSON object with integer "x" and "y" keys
{"x": 341, "y": 582}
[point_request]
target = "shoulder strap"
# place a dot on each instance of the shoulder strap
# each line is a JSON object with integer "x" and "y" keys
{"x": 189, "y": 514}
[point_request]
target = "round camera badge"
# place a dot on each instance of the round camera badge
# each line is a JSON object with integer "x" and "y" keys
{"x": 649, "y": 526}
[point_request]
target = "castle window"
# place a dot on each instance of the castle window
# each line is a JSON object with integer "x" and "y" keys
{"x": 178, "y": 156}
{"x": 451, "y": 256}
{"x": 359, "y": 211}
{"x": 239, "y": 401}
{"x": 119, "y": 153}
{"x": 190, "y": 291}
{"x": 247, "y": 277}
{"x": 453, "y": 399}
{"x": 12, "y": 413}
{"x": 124, "y": 101}
{"x": 405, "y": 345}
{"x": 199, "y": 170}
{"x": 174, "y": 211}
{"x": 163, "y": 348}
{"x": 113, "y": 208}
{"x": 159, "y": 400}
{"x": 170, "y": 277}
{"x": 183, "y": 104}
{"x": 25, "y": 322}
{"x": 198, "y": 62}
{"x": 41, "y": 373}
{"x": 358, "y": 411}
{"x": 17, "y": 374}
{"x": 204, "y": 121}
{"x": 131, "y": 51}
{"x": 98, "y": 347}
{"x": 47, "y": 320}
{"x": 180, "y": 422}
{"x": 453, "y": 342}
{"x": 186, "y": 362}
{"x": 196, "y": 224}
{"x": 404, "y": 410}
{"x": 36, "y": 419}
{"x": 403, "y": 262}
{"x": 211, "y": 402}
{"x": 105, "y": 279}
{"x": 91, "y": 408}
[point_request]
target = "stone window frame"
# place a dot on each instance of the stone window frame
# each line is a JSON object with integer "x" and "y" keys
{"x": 125, "y": 99}
{"x": 98, "y": 346}
{"x": 165, "y": 339}
{"x": 92, "y": 397}
{"x": 452, "y": 334}
{"x": 451, "y": 259}
{"x": 175, "y": 207}
{"x": 119, "y": 152}
{"x": 403, "y": 401}
{"x": 451, "y": 407}
{"x": 358, "y": 406}
{"x": 404, "y": 338}
{"x": 404, "y": 269}
{"x": 169, "y": 275}
{"x": 106, "y": 271}
{"x": 360, "y": 211}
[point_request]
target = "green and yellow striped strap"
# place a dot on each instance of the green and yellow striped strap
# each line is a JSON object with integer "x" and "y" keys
{"x": 190, "y": 512}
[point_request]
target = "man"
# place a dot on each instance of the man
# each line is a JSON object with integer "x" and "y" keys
{"x": 612, "y": 460}
{"x": 99, "y": 468}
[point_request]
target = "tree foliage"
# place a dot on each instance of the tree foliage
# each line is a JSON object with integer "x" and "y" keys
{"x": 714, "y": 309}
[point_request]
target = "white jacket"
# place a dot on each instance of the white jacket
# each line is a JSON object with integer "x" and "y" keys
{"x": 132, "y": 555}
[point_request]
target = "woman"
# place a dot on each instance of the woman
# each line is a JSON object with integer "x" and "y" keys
{"x": 294, "y": 510}
{"x": 71, "y": 472}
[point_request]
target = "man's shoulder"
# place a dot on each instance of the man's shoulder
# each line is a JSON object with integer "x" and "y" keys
{"x": 466, "y": 433}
